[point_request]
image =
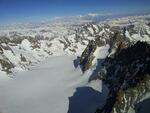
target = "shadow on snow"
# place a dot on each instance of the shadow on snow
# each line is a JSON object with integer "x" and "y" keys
{"x": 86, "y": 100}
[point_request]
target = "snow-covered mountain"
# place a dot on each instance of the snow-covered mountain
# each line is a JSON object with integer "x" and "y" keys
{"x": 102, "y": 47}
{"x": 22, "y": 45}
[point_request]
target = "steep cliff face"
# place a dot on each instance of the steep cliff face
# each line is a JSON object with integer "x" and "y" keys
{"x": 88, "y": 56}
{"x": 125, "y": 69}
{"x": 127, "y": 76}
{"x": 116, "y": 42}
{"x": 96, "y": 36}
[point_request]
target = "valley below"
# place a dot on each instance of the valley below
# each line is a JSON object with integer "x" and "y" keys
{"x": 54, "y": 86}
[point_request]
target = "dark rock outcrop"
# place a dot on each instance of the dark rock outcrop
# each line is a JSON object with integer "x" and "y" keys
{"x": 117, "y": 42}
{"x": 6, "y": 65}
{"x": 87, "y": 56}
{"x": 127, "y": 77}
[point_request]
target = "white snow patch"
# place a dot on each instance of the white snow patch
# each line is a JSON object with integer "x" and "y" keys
{"x": 100, "y": 53}
{"x": 91, "y": 30}
{"x": 46, "y": 88}
{"x": 3, "y": 75}
{"x": 26, "y": 45}
{"x": 96, "y": 84}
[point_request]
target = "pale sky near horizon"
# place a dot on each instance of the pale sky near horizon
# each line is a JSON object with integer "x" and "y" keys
{"x": 26, "y": 10}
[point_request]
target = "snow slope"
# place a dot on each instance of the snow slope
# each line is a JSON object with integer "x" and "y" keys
{"x": 50, "y": 87}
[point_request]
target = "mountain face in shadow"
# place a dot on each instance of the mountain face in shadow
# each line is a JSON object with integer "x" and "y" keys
{"x": 86, "y": 100}
{"x": 143, "y": 107}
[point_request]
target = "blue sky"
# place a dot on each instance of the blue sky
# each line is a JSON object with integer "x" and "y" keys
{"x": 36, "y": 10}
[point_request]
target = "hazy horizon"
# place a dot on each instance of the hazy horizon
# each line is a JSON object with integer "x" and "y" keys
{"x": 18, "y": 11}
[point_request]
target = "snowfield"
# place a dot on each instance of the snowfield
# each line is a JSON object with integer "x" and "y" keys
{"x": 54, "y": 86}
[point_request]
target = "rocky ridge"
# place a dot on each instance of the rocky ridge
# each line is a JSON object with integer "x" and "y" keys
{"x": 125, "y": 70}
{"x": 127, "y": 76}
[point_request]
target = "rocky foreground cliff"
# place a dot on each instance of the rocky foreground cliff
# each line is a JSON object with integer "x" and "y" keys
{"x": 128, "y": 78}
{"x": 125, "y": 69}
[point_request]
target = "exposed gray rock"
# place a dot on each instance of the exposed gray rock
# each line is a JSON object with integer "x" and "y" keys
{"x": 87, "y": 56}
